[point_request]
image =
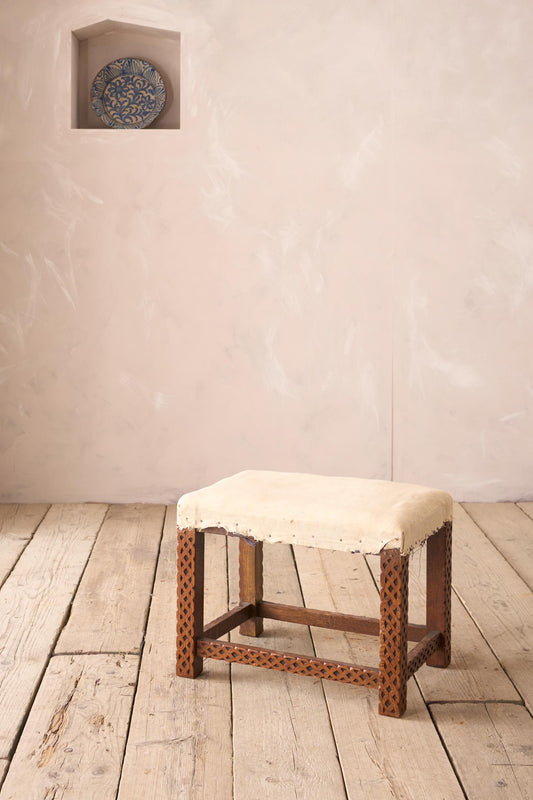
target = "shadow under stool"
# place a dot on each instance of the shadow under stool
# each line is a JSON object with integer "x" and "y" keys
{"x": 348, "y": 514}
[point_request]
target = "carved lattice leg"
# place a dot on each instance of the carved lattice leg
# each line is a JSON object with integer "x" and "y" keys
{"x": 251, "y": 582}
{"x": 190, "y": 612}
{"x": 439, "y": 592}
{"x": 393, "y": 633}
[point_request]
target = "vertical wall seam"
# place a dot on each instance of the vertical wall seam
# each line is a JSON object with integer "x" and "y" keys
{"x": 392, "y": 201}
{"x": 392, "y": 254}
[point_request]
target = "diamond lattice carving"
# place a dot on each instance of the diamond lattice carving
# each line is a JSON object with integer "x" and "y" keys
{"x": 393, "y": 633}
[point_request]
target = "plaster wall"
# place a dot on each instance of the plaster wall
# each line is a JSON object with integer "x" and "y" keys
{"x": 328, "y": 268}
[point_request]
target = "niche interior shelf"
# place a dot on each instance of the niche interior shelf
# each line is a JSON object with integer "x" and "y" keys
{"x": 96, "y": 45}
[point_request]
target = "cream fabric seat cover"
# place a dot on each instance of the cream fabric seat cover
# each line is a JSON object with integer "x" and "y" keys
{"x": 352, "y": 514}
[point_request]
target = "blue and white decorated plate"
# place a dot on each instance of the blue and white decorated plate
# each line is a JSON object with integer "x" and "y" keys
{"x": 128, "y": 93}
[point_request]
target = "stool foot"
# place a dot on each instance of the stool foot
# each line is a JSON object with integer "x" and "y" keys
{"x": 190, "y": 609}
{"x": 393, "y": 633}
{"x": 251, "y": 583}
{"x": 439, "y": 592}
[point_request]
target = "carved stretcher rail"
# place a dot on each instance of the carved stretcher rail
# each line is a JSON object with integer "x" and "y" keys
{"x": 422, "y": 651}
{"x": 331, "y": 619}
{"x": 287, "y": 662}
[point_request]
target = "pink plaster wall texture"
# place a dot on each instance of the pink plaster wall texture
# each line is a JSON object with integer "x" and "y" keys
{"x": 328, "y": 268}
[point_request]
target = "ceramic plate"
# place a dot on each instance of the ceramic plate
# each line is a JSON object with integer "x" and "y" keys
{"x": 128, "y": 93}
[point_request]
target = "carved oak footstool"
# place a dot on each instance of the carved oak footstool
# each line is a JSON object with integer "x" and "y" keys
{"x": 349, "y": 514}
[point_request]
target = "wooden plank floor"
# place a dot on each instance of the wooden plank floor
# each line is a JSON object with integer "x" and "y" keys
{"x": 90, "y": 706}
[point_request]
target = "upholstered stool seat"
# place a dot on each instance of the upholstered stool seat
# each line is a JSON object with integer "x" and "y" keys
{"x": 349, "y": 514}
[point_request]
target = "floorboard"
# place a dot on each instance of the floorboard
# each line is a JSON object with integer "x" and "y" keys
{"x": 509, "y": 529}
{"x": 282, "y": 738}
{"x": 119, "y": 725}
{"x": 73, "y": 742}
{"x": 497, "y": 599}
{"x": 111, "y": 604}
{"x": 17, "y": 525}
{"x": 379, "y": 757}
{"x": 33, "y": 603}
{"x": 527, "y": 508}
{"x": 179, "y": 744}
{"x": 496, "y": 763}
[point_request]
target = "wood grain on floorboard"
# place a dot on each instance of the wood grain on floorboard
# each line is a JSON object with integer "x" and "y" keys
{"x": 88, "y": 725}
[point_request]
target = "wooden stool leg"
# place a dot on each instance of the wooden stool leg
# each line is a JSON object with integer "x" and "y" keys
{"x": 251, "y": 582}
{"x": 190, "y": 612}
{"x": 439, "y": 592}
{"x": 393, "y": 633}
